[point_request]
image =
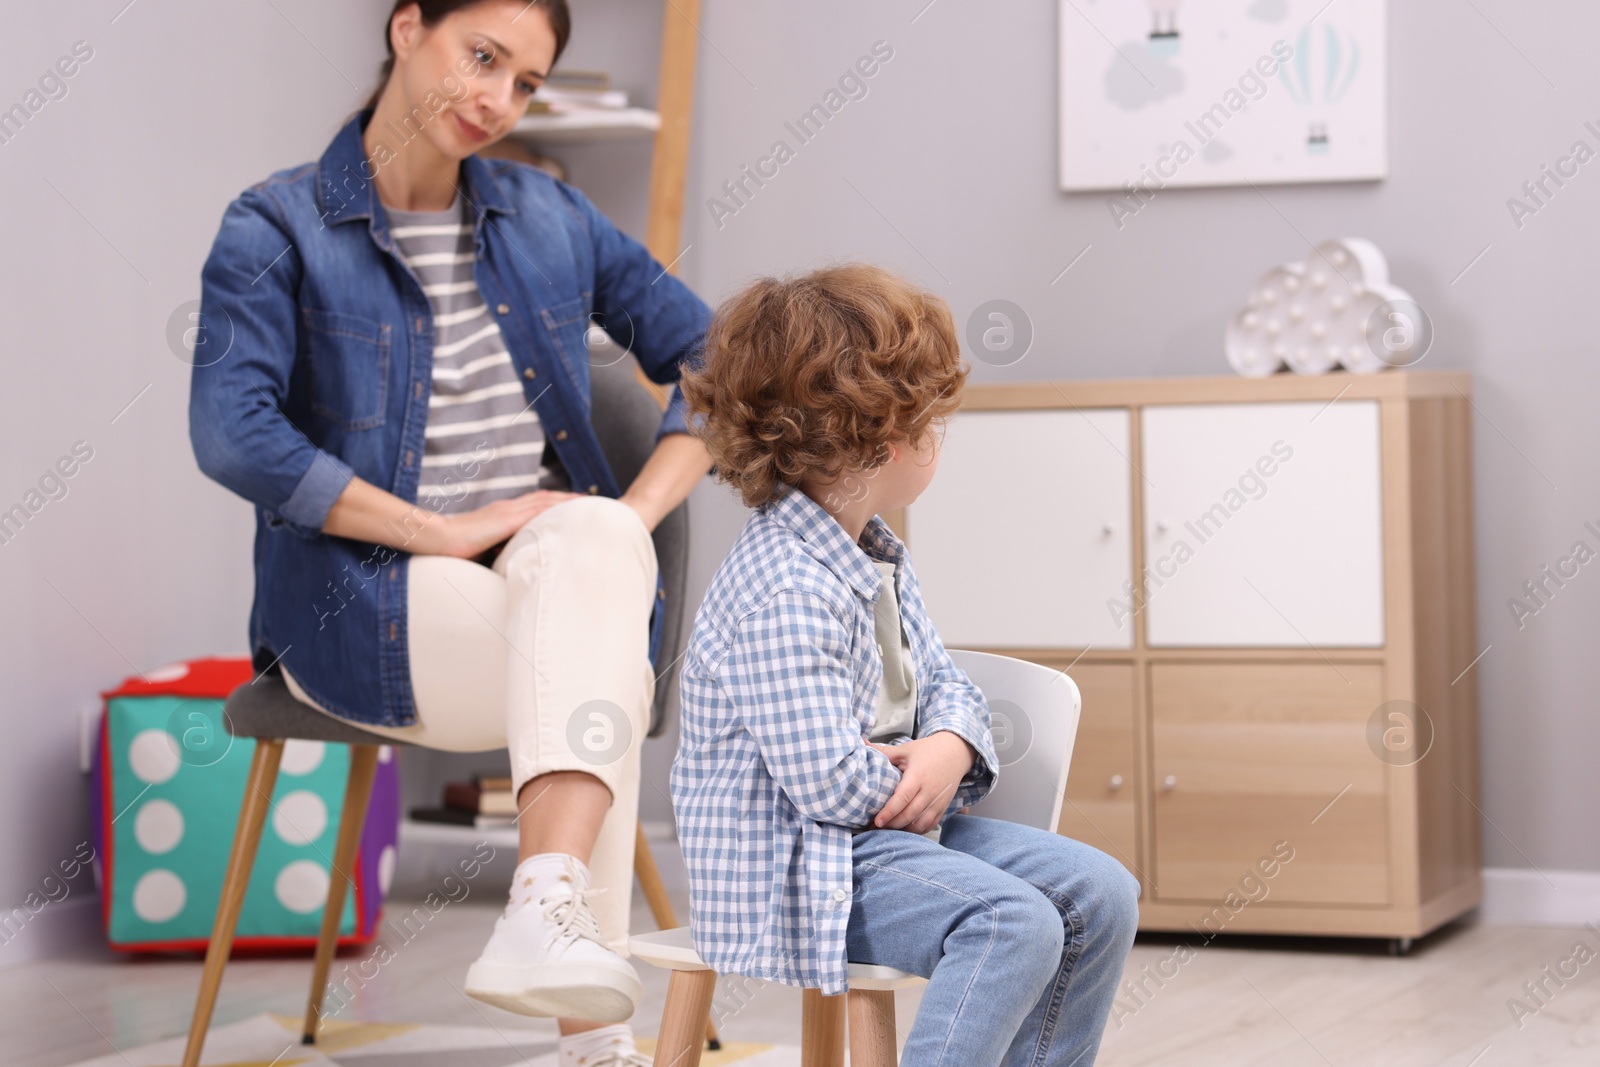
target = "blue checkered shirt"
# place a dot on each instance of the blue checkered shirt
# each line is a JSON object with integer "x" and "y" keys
{"x": 773, "y": 770}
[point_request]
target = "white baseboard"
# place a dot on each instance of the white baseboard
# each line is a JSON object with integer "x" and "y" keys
{"x": 1521, "y": 896}
{"x": 64, "y": 929}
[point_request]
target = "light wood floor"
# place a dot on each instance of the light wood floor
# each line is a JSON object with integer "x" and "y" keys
{"x": 1241, "y": 1002}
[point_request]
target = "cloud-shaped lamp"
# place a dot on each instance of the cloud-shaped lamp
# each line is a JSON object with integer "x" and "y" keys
{"x": 1336, "y": 308}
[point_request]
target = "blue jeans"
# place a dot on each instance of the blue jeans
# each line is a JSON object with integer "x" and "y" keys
{"x": 1021, "y": 933}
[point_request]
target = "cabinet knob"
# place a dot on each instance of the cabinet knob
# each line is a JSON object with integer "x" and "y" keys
{"x": 1162, "y": 526}
{"x": 1169, "y": 783}
{"x": 1106, "y": 529}
{"x": 1116, "y": 782}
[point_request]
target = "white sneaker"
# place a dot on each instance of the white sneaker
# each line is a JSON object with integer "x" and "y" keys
{"x": 548, "y": 958}
{"x": 593, "y": 1048}
{"x": 634, "y": 1058}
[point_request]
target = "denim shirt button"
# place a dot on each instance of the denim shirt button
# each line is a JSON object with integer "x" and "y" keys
{"x": 593, "y": 489}
{"x": 504, "y": 309}
{"x": 528, "y": 373}
{"x": 561, "y": 435}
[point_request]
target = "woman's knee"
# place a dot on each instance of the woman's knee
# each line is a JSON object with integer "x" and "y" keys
{"x": 604, "y": 516}
{"x": 592, "y": 531}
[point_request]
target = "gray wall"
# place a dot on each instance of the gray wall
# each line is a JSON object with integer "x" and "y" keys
{"x": 113, "y": 195}
{"x": 952, "y": 159}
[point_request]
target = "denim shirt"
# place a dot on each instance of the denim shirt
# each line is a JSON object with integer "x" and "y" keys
{"x": 315, "y": 363}
{"x": 773, "y": 771}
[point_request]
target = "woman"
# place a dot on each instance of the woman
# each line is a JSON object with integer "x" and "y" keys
{"x": 441, "y": 552}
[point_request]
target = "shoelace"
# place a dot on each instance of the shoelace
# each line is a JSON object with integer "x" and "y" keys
{"x": 622, "y": 1059}
{"x": 568, "y": 911}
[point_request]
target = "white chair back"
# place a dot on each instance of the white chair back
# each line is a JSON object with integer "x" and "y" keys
{"x": 1034, "y": 715}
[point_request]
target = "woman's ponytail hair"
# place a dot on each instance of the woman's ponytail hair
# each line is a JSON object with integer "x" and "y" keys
{"x": 435, "y": 11}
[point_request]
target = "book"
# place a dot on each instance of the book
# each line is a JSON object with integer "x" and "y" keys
{"x": 457, "y": 817}
{"x": 497, "y": 804}
{"x": 574, "y": 78}
{"x": 473, "y": 797}
{"x": 552, "y": 100}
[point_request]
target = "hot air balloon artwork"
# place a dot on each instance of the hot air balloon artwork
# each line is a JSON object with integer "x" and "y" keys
{"x": 1164, "y": 36}
{"x": 1326, "y": 60}
{"x": 1162, "y": 94}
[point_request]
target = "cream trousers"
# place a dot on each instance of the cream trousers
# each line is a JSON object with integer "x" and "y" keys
{"x": 547, "y": 655}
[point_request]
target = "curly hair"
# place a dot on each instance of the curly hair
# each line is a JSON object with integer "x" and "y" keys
{"x": 814, "y": 375}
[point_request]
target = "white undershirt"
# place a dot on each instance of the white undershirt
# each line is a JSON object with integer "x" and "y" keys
{"x": 896, "y": 713}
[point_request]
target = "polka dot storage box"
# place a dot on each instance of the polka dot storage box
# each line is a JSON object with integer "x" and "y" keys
{"x": 168, "y": 783}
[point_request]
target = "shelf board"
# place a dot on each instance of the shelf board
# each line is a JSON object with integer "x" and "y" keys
{"x": 439, "y": 833}
{"x": 593, "y": 125}
{"x": 1217, "y": 389}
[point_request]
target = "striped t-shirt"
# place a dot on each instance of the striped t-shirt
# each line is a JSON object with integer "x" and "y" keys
{"x": 484, "y": 440}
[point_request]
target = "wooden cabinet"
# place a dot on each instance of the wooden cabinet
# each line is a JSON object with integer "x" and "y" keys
{"x": 1072, "y": 527}
{"x": 1236, "y": 694}
{"x": 1247, "y": 755}
{"x": 1271, "y": 508}
{"x": 1101, "y": 807}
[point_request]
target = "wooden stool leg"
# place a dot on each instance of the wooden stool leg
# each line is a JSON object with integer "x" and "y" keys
{"x": 821, "y": 1029}
{"x": 655, "y": 893}
{"x": 252, "y": 816}
{"x": 872, "y": 1028}
{"x": 357, "y": 791}
{"x": 683, "y": 1018}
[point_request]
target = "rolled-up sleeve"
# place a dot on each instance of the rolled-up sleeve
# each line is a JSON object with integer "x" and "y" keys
{"x": 319, "y": 487}
{"x": 676, "y": 418}
{"x": 656, "y": 315}
{"x": 240, "y": 379}
{"x": 788, "y": 673}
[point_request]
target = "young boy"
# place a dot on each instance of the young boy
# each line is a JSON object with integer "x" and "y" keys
{"x": 829, "y": 744}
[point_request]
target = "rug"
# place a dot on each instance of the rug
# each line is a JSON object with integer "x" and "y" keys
{"x": 270, "y": 1040}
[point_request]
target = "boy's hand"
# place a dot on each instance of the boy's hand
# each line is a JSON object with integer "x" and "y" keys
{"x": 930, "y": 770}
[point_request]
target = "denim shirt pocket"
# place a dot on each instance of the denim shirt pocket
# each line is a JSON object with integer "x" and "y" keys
{"x": 348, "y": 365}
{"x": 568, "y": 326}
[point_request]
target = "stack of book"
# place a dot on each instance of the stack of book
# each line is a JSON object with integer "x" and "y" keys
{"x": 567, "y": 91}
{"x": 485, "y": 803}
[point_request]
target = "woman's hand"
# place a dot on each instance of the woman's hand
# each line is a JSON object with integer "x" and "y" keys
{"x": 364, "y": 512}
{"x": 469, "y": 533}
{"x": 930, "y": 770}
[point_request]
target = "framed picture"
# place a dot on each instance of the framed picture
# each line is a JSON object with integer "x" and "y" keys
{"x": 1159, "y": 93}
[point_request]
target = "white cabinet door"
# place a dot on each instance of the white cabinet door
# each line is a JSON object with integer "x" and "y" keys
{"x": 1263, "y": 525}
{"x": 1024, "y": 537}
